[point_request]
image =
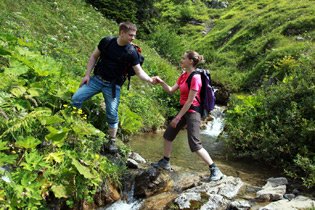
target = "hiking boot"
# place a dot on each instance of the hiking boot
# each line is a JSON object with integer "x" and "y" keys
{"x": 112, "y": 148}
{"x": 216, "y": 174}
{"x": 164, "y": 164}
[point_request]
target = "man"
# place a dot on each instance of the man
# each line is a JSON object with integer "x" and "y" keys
{"x": 111, "y": 56}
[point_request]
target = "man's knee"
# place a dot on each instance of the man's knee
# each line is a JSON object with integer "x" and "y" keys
{"x": 76, "y": 100}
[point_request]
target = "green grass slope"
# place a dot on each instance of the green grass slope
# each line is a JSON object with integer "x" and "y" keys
{"x": 248, "y": 38}
{"x": 266, "y": 49}
{"x": 51, "y": 150}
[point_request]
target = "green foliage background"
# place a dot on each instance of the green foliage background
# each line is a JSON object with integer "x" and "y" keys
{"x": 262, "y": 51}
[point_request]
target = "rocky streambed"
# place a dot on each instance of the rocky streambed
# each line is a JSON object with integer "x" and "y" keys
{"x": 155, "y": 189}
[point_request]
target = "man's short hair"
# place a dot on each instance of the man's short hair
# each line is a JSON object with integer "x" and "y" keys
{"x": 127, "y": 26}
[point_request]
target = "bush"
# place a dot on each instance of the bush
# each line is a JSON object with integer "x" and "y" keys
{"x": 276, "y": 124}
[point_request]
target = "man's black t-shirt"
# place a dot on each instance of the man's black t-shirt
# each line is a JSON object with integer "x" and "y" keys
{"x": 114, "y": 60}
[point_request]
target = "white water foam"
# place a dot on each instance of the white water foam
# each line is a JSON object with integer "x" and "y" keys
{"x": 123, "y": 205}
{"x": 215, "y": 127}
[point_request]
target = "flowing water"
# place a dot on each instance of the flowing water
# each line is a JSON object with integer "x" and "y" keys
{"x": 150, "y": 147}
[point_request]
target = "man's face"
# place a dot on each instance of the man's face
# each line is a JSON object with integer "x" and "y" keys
{"x": 128, "y": 36}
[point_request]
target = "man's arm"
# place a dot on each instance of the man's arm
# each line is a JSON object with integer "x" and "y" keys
{"x": 142, "y": 75}
{"x": 90, "y": 65}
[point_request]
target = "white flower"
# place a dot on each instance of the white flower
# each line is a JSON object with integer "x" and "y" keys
{"x": 6, "y": 179}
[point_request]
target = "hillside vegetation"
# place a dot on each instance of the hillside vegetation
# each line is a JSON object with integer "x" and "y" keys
{"x": 262, "y": 51}
{"x": 48, "y": 149}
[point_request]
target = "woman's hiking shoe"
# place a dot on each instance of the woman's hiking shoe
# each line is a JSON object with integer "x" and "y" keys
{"x": 164, "y": 164}
{"x": 216, "y": 174}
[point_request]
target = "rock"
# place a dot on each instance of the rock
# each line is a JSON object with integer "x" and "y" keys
{"x": 132, "y": 163}
{"x": 222, "y": 96}
{"x": 158, "y": 202}
{"x": 184, "y": 181}
{"x": 108, "y": 194}
{"x": 135, "y": 156}
{"x": 273, "y": 190}
{"x": 212, "y": 195}
{"x": 240, "y": 205}
{"x": 289, "y": 196}
{"x": 150, "y": 182}
{"x": 300, "y": 202}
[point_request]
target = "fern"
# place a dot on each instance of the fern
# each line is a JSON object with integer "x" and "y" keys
{"x": 17, "y": 124}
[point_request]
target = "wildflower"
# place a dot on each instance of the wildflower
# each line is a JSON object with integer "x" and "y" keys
{"x": 6, "y": 179}
{"x": 65, "y": 105}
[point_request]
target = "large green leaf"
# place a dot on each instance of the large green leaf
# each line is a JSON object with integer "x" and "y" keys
{"x": 35, "y": 92}
{"x": 59, "y": 191}
{"x": 7, "y": 159}
{"x": 4, "y": 51}
{"x": 50, "y": 120}
{"x": 28, "y": 143}
{"x": 57, "y": 136}
{"x": 18, "y": 91}
{"x": 85, "y": 171}
{"x": 28, "y": 177}
{"x": 16, "y": 68}
{"x": 3, "y": 145}
{"x": 55, "y": 156}
{"x": 81, "y": 128}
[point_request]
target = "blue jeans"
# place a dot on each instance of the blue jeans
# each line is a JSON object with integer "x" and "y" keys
{"x": 96, "y": 85}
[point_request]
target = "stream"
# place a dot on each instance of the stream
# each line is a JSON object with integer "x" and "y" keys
{"x": 150, "y": 147}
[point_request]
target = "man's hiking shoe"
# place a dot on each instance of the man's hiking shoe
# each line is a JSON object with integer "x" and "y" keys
{"x": 164, "y": 164}
{"x": 109, "y": 147}
{"x": 112, "y": 148}
{"x": 216, "y": 174}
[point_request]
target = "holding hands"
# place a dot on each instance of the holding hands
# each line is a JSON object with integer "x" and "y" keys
{"x": 157, "y": 80}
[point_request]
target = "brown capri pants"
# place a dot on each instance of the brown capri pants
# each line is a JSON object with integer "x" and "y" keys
{"x": 192, "y": 119}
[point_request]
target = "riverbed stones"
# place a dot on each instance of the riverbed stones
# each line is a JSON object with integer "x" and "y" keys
{"x": 152, "y": 181}
{"x": 159, "y": 201}
{"x": 240, "y": 205}
{"x": 135, "y": 156}
{"x": 273, "y": 190}
{"x": 211, "y": 195}
{"x": 300, "y": 202}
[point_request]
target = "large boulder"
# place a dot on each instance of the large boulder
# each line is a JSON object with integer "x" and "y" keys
{"x": 152, "y": 181}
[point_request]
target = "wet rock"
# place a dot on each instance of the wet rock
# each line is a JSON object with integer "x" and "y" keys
{"x": 186, "y": 180}
{"x": 150, "y": 182}
{"x": 273, "y": 190}
{"x": 240, "y": 205}
{"x": 212, "y": 195}
{"x": 158, "y": 202}
{"x": 132, "y": 163}
{"x": 289, "y": 196}
{"x": 222, "y": 96}
{"x": 135, "y": 156}
{"x": 108, "y": 194}
{"x": 300, "y": 202}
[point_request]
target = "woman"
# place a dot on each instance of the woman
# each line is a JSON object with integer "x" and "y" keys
{"x": 187, "y": 116}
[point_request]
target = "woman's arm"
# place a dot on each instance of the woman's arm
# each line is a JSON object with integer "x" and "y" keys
{"x": 166, "y": 87}
{"x": 192, "y": 94}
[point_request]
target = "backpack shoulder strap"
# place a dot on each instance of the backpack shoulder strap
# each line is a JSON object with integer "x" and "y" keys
{"x": 190, "y": 77}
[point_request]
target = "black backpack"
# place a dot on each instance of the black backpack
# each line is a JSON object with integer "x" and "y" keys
{"x": 207, "y": 96}
{"x": 129, "y": 71}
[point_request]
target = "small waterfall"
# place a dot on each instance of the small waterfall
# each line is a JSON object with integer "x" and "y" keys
{"x": 130, "y": 204}
{"x": 215, "y": 127}
{"x": 123, "y": 205}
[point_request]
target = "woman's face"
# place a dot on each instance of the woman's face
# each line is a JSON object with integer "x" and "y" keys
{"x": 185, "y": 62}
